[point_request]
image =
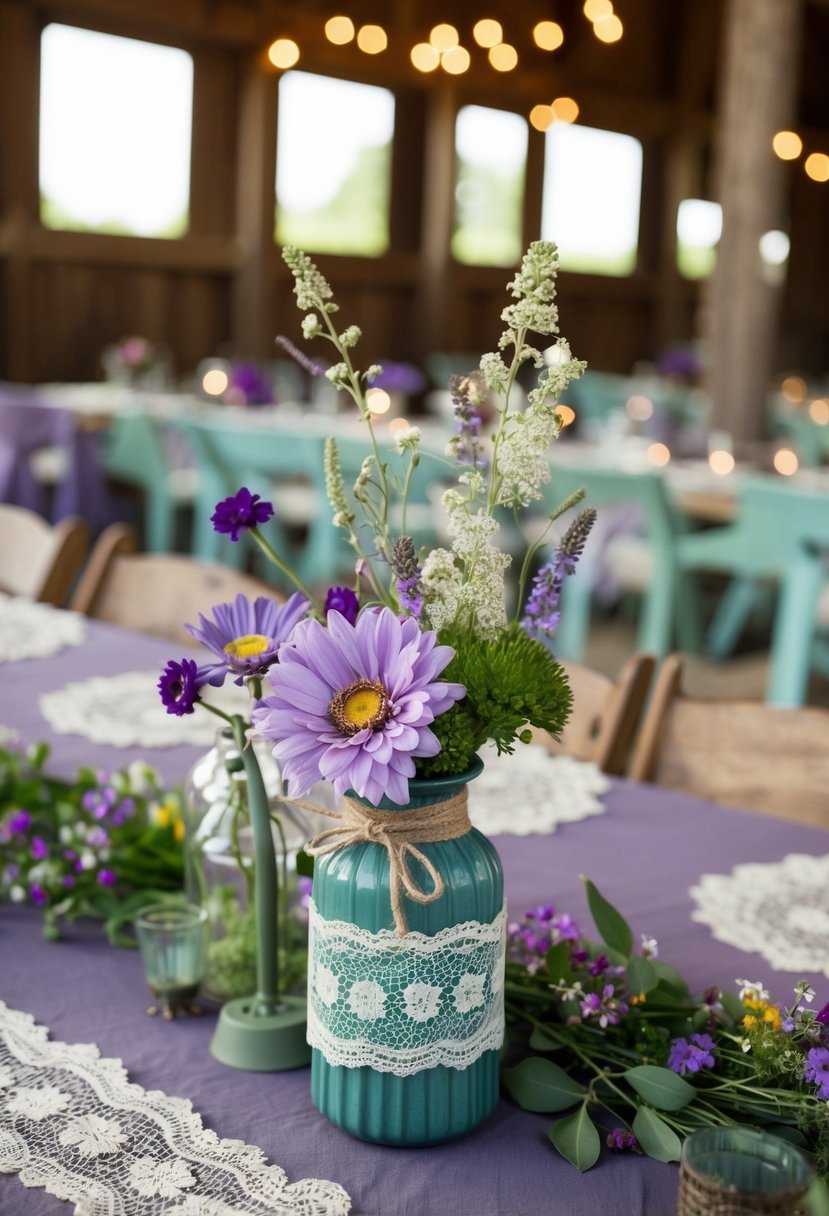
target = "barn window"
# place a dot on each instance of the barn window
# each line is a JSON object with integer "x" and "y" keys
{"x": 491, "y": 159}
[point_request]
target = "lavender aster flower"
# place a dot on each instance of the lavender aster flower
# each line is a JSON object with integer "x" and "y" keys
{"x": 245, "y": 636}
{"x": 620, "y": 1141}
{"x": 407, "y": 568}
{"x": 816, "y": 1069}
{"x": 353, "y": 704}
{"x": 20, "y": 822}
{"x": 542, "y": 614}
{"x": 39, "y": 848}
{"x": 179, "y": 691}
{"x": 38, "y": 895}
{"x": 691, "y": 1056}
{"x": 342, "y": 599}
{"x": 241, "y": 510}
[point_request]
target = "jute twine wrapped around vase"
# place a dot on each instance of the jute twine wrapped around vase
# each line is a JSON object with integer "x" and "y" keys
{"x": 739, "y": 1171}
{"x": 701, "y": 1196}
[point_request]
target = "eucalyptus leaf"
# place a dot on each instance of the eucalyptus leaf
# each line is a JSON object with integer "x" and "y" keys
{"x": 641, "y": 975}
{"x": 557, "y": 962}
{"x": 540, "y": 1085}
{"x": 659, "y": 1086}
{"x": 542, "y": 1040}
{"x": 733, "y": 1006}
{"x": 614, "y": 930}
{"x": 577, "y": 1139}
{"x": 785, "y": 1132}
{"x": 655, "y": 1137}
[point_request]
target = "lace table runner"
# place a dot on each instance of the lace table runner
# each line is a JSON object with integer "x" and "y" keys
{"x": 779, "y": 910}
{"x": 125, "y": 711}
{"x": 533, "y": 792}
{"x": 72, "y": 1123}
{"x": 35, "y": 631}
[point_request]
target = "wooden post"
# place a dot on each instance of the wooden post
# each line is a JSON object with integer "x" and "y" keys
{"x": 758, "y": 91}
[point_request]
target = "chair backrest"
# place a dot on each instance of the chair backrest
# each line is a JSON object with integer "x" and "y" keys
{"x": 742, "y": 753}
{"x": 776, "y": 516}
{"x": 154, "y": 592}
{"x": 39, "y": 559}
{"x": 614, "y": 486}
{"x": 605, "y": 714}
{"x": 134, "y": 451}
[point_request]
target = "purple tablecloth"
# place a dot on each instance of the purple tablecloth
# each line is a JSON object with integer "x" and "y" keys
{"x": 644, "y": 853}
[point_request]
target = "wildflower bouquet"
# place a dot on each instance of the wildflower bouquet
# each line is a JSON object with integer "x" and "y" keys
{"x": 103, "y": 845}
{"x": 640, "y": 1062}
{"x": 414, "y": 667}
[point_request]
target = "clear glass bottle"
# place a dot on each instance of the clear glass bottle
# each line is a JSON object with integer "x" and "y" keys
{"x": 220, "y": 872}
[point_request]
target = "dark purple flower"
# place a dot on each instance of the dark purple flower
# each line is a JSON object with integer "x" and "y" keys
{"x": 247, "y": 385}
{"x": 691, "y": 1056}
{"x": 468, "y": 393}
{"x": 399, "y": 378}
{"x": 107, "y": 878}
{"x": 39, "y": 848}
{"x": 343, "y": 600}
{"x": 599, "y": 965}
{"x": 542, "y": 613}
{"x": 822, "y": 1015}
{"x": 38, "y": 895}
{"x": 579, "y": 955}
{"x": 621, "y": 1141}
{"x": 68, "y": 880}
{"x": 179, "y": 688}
{"x": 20, "y": 822}
{"x": 241, "y": 510}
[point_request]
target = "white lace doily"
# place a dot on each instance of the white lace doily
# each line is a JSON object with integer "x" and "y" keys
{"x": 126, "y": 711}
{"x": 75, "y": 1125}
{"x": 35, "y": 631}
{"x": 777, "y": 909}
{"x": 533, "y": 792}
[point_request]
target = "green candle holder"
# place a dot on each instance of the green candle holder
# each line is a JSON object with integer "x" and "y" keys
{"x": 263, "y": 1032}
{"x": 736, "y": 1171}
{"x": 172, "y": 941}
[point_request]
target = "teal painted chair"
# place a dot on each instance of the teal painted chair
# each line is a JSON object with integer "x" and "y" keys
{"x": 280, "y": 465}
{"x": 597, "y": 395}
{"x": 775, "y": 520}
{"x": 134, "y": 452}
{"x": 647, "y": 563}
{"x": 809, "y": 439}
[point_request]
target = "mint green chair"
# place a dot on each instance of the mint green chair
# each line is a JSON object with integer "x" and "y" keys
{"x": 134, "y": 453}
{"x": 756, "y": 550}
{"x": 280, "y": 465}
{"x": 670, "y": 606}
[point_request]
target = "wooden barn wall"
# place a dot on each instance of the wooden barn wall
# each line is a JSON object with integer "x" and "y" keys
{"x": 223, "y": 289}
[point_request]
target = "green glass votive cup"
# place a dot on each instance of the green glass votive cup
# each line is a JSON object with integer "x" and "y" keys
{"x": 737, "y": 1171}
{"x": 172, "y": 939}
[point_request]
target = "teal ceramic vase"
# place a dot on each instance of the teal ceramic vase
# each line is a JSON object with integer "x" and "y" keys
{"x": 406, "y": 1030}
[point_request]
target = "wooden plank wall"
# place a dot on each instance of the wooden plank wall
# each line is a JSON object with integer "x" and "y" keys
{"x": 222, "y": 288}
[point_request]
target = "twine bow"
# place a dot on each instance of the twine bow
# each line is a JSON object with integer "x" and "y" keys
{"x": 398, "y": 833}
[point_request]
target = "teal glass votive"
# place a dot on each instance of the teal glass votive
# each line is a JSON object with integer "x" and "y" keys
{"x": 736, "y": 1171}
{"x": 172, "y": 941}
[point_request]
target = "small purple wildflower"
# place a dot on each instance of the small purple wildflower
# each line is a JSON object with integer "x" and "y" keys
{"x": 788, "y": 1024}
{"x": 39, "y": 848}
{"x": 68, "y": 880}
{"x": 38, "y": 895}
{"x": 247, "y": 385}
{"x": 606, "y": 1009}
{"x": 599, "y": 965}
{"x": 621, "y": 1141}
{"x": 107, "y": 878}
{"x": 342, "y": 599}
{"x": 242, "y": 510}
{"x": 97, "y": 837}
{"x": 179, "y": 687}
{"x": 468, "y": 393}
{"x": 691, "y": 1056}
{"x": 399, "y": 378}
{"x": 579, "y": 955}
{"x": 816, "y": 1069}
{"x": 310, "y": 365}
{"x": 407, "y": 568}
{"x": 822, "y": 1015}
{"x": 20, "y": 822}
{"x": 542, "y": 613}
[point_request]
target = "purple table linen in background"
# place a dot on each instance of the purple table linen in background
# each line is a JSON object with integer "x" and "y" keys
{"x": 644, "y": 853}
{"x": 26, "y": 425}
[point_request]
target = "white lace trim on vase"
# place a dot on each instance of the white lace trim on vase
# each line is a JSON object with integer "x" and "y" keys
{"x": 533, "y": 792}
{"x": 779, "y": 910}
{"x": 29, "y": 630}
{"x": 402, "y": 1005}
{"x": 126, "y": 711}
{"x": 73, "y": 1123}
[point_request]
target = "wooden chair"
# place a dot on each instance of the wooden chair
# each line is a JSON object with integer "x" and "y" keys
{"x": 37, "y": 558}
{"x": 747, "y": 754}
{"x": 605, "y": 714}
{"x": 155, "y": 592}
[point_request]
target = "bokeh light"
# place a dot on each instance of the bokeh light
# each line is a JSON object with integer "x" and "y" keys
{"x": 794, "y": 389}
{"x": 721, "y": 462}
{"x": 565, "y": 109}
{"x": 659, "y": 454}
{"x": 566, "y": 413}
{"x": 787, "y": 145}
{"x": 283, "y": 53}
{"x": 424, "y": 57}
{"x": 503, "y": 57}
{"x": 455, "y": 61}
{"x": 443, "y": 37}
{"x": 378, "y": 401}
{"x": 817, "y": 166}
{"x": 487, "y": 33}
{"x": 214, "y": 382}
{"x": 639, "y": 408}
{"x": 785, "y": 461}
{"x": 540, "y": 117}
{"x": 372, "y": 39}
{"x": 339, "y": 30}
{"x": 819, "y": 411}
{"x": 608, "y": 29}
{"x": 594, "y": 9}
{"x": 548, "y": 35}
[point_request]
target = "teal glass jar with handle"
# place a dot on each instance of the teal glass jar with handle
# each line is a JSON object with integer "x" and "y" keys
{"x": 405, "y": 993}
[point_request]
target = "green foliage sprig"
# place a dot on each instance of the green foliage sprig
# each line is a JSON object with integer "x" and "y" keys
{"x": 640, "y": 1062}
{"x": 102, "y": 845}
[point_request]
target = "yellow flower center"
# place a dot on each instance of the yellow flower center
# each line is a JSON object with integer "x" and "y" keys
{"x": 245, "y": 647}
{"x": 362, "y": 705}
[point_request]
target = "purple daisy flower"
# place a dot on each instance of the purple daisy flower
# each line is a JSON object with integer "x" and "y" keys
{"x": 241, "y": 510}
{"x": 816, "y": 1069}
{"x": 179, "y": 690}
{"x": 353, "y": 704}
{"x": 691, "y": 1056}
{"x": 342, "y": 599}
{"x": 245, "y": 636}
{"x": 20, "y": 822}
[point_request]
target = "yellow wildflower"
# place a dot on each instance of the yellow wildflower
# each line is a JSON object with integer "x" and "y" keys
{"x": 764, "y": 1014}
